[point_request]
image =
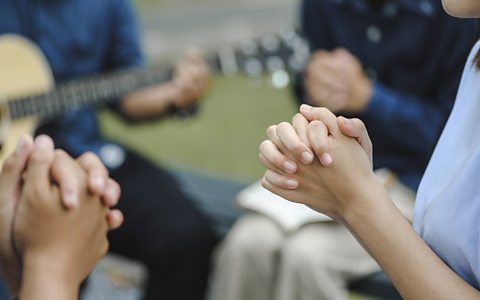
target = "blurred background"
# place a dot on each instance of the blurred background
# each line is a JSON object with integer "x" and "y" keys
{"x": 223, "y": 137}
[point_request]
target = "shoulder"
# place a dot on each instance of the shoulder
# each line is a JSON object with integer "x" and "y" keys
{"x": 120, "y": 7}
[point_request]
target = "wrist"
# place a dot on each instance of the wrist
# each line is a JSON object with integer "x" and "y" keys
{"x": 371, "y": 196}
{"x": 170, "y": 94}
{"x": 363, "y": 94}
{"x": 48, "y": 276}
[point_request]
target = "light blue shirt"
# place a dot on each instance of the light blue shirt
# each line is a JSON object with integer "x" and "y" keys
{"x": 447, "y": 212}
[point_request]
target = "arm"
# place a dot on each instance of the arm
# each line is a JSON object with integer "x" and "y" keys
{"x": 336, "y": 80}
{"x": 55, "y": 243}
{"x": 405, "y": 115}
{"x": 190, "y": 79}
{"x": 10, "y": 191}
{"x": 363, "y": 206}
{"x": 416, "y": 271}
{"x": 403, "y": 108}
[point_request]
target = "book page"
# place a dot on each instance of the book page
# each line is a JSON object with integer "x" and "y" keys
{"x": 288, "y": 215}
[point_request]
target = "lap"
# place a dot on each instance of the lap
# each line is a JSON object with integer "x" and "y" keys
{"x": 159, "y": 217}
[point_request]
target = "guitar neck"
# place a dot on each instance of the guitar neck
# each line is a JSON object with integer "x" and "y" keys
{"x": 86, "y": 91}
{"x": 272, "y": 54}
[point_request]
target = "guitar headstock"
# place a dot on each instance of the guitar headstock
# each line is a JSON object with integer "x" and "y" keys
{"x": 278, "y": 55}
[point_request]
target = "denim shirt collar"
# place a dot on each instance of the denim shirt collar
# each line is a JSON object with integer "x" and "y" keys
{"x": 422, "y": 7}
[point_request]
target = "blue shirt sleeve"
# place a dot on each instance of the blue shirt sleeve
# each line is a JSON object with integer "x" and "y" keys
{"x": 125, "y": 49}
{"x": 409, "y": 119}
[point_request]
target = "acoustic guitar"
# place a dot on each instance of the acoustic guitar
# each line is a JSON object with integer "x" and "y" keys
{"x": 28, "y": 93}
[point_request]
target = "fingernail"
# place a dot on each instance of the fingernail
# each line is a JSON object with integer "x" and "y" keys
{"x": 98, "y": 182}
{"x": 292, "y": 183}
{"x": 42, "y": 142}
{"x": 326, "y": 159}
{"x": 346, "y": 121}
{"x": 20, "y": 145}
{"x": 71, "y": 199}
{"x": 110, "y": 194}
{"x": 307, "y": 157}
{"x": 306, "y": 106}
{"x": 290, "y": 166}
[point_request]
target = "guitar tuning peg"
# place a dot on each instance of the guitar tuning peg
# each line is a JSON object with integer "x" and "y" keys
{"x": 249, "y": 47}
{"x": 274, "y": 63}
{"x": 252, "y": 67}
{"x": 279, "y": 79}
{"x": 287, "y": 34}
{"x": 270, "y": 43}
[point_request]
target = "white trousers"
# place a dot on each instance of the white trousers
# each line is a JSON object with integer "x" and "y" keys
{"x": 259, "y": 261}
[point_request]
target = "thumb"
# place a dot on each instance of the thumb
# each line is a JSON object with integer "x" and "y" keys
{"x": 356, "y": 129}
{"x": 14, "y": 166}
{"x": 320, "y": 114}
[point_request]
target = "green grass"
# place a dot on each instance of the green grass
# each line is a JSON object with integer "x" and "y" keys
{"x": 223, "y": 138}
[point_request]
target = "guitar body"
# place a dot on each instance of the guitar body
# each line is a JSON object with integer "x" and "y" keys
{"x": 23, "y": 71}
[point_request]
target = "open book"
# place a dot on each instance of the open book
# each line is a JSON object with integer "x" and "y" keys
{"x": 291, "y": 216}
{"x": 288, "y": 215}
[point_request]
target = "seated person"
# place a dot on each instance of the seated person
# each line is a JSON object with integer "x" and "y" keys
{"x": 387, "y": 63}
{"x": 437, "y": 258}
{"x": 165, "y": 231}
{"x": 55, "y": 215}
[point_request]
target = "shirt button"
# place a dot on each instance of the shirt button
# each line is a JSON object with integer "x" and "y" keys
{"x": 112, "y": 155}
{"x": 374, "y": 34}
{"x": 426, "y": 7}
{"x": 390, "y": 9}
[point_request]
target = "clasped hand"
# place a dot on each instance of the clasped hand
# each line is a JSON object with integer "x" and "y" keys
{"x": 54, "y": 211}
{"x": 190, "y": 81}
{"x": 319, "y": 160}
{"x": 336, "y": 80}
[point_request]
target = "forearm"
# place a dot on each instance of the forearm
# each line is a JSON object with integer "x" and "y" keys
{"x": 44, "y": 279}
{"x": 148, "y": 103}
{"x": 416, "y": 271}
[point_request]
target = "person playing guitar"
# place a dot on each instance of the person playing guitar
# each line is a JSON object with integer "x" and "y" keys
{"x": 84, "y": 37}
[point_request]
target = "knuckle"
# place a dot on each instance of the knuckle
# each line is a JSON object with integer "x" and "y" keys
{"x": 299, "y": 123}
{"x": 298, "y": 149}
{"x": 298, "y": 117}
{"x": 322, "y": 111}
{"x": 35, "y": 190}
{"x": 358, "y": 123}
{"x": 89, "y": 157}
{"x": 116, "y": 190}
{"x": 271, "y": 129}
{"x": 277, "y": 160}
{"x": 316, "y": 126}
{"x": 60, "y": 153}
{"x": 318, "y": 144}
{"x": 283, "y": 125}
{"x": 40, "y": 156}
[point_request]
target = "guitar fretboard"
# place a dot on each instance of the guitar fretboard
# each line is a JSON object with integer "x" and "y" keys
{"x": 88, "y": 91}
